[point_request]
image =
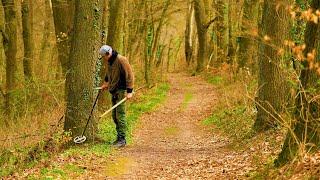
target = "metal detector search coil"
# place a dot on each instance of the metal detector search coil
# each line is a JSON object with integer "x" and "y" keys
{"x": 79, "y": 139}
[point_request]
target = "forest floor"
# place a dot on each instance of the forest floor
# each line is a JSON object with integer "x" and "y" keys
{"x": 172, "y": 142}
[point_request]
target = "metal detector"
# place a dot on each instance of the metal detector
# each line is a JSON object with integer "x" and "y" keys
{"x": 82, "y": 138}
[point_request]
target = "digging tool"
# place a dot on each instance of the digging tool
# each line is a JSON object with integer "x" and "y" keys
{"x": 82, "y": 138}
{"x": 116, "y": 105}
{"x": 113, "y": 107}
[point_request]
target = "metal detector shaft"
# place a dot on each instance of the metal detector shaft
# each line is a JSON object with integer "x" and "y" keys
{"x": 95, "y": 102}
{"x": 113, "y": 107}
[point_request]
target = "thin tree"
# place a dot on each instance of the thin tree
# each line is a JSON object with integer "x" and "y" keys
{"x": 2, "y": 56}
{"x": 80, "y": 78}
{"x": 231, "y": 44}
{"x": 305, "y": 133}
{"x": 46, "y": 51}
{"x": 10, "y": 35}
{"x": 115, "y": 26}
{"x": 63, "y": 14}
{"x": 247, "y": 45}
{"x": 220, "y": 32}
{"x": 188, "y": 33}
{"x": 27, "y": 39}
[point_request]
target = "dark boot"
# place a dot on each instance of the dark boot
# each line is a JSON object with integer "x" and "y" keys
{"x": 121, "y": 143}
{"x": 116, "y": 141}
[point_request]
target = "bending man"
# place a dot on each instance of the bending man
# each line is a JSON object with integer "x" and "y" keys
{"x": 119, "y": 79}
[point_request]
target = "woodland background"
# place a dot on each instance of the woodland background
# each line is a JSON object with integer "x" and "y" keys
{"x": 49, "y": 63}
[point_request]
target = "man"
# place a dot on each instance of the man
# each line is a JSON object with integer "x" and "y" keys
{"x": 119, "y": 79}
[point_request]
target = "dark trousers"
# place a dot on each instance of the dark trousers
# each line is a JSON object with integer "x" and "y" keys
{"x": 119, "y": 114}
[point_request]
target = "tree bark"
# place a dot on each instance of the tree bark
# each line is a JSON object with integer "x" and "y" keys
{"x": 221, "y": 32}
{"x": 306, "y": 134}
{"x": 200, "y": 18}
{"x": 188, "y": 34}
{"x": 272, "y": 85}
{"x": 247, "y": 45}
{"x": 80, "y": 78}
{"x": 155, "y": 43}
{"x": 115, "y": 32}
{"x": 27, "y": 39}
{"x": 63, "y": 14}
{"x": 46, "y": 52}
{"x": 10, "y": 52}
{"x": 231, "y": 44}
{"x": 104, "y": 21}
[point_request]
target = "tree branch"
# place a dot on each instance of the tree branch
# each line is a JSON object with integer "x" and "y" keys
{"x": 5, "y": 37}
{"x": 206, "y": 26}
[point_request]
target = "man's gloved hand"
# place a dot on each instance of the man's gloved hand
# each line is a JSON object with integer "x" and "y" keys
{"x": 104, "y": 86}
{"x": 129, "y": 95}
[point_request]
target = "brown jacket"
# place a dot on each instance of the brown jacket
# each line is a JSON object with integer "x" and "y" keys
{"x": 119, "y": 74}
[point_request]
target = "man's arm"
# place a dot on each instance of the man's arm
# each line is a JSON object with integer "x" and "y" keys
{"x": 129, "y": 77}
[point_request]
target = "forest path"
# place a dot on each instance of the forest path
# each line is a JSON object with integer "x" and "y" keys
{"x": 171, "y": 142}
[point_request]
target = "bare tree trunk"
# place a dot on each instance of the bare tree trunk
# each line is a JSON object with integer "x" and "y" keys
{"x": 115, "y": 31}
{"x": 200, "y": 18}
{"x": 247, "y": 45}
{"x": 104, "y": 22}
{"x": 63, "y": 12}
{"x": 306, "y": 134}
{"x": 188, "y": 34}
{"x": 155, "y": 44}
{"x": 2, "y": 56}
{"x": 272, "y": 84}
{"x": 231, "y": 44}
{"x": 80, "y": 79}
{"x": 10, "y": 52}
{"x": 46, "y": 52}
{"x": 27, "y": 39}
{"x": 221, "y": 32}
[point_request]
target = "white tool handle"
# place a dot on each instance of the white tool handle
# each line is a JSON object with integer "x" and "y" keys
{"x": 116, "y": 105}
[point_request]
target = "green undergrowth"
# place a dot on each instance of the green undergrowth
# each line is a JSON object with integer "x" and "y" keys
{"x": 234, "y": 113}
{"x": 145, "y": 101}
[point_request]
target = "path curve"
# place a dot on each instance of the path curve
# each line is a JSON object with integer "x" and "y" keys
{"x": 171, "y": 143}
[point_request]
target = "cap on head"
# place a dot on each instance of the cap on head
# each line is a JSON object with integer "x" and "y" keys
{"x": 105, "y": 49}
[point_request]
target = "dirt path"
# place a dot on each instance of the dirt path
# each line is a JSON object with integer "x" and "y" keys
{"x": 171, "y": 143}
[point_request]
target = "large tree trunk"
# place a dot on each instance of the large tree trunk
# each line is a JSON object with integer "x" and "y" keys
{"x": 306, "y": 133}
{"x": 10, "y": 52}
{"x": 200, "y": 18}
{"x": 27, "y": 39}
{"x": 271, "y": 82}
{"x": 80, "y": 78}
{"x": 247, "y": 46}
{"x": 63, "y": 14}
{"x": 188, "y": 34}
